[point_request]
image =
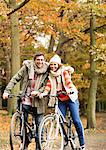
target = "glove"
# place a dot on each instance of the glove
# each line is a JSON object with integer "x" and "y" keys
{"x": 41, "y": 95}
{"x": 35, "y": 93}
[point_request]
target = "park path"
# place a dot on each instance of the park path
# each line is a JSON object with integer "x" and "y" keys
{"x": 95, "y": 140}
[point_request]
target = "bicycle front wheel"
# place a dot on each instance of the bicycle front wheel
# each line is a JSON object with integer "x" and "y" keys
{"x": 51, "y": 134}
{"x": 17, "y": 133}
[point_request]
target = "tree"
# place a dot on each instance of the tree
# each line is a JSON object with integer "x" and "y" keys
{"x": 91, "y": 118}
{"x": 51, "y": 44}
{"x": 15, "y": 51}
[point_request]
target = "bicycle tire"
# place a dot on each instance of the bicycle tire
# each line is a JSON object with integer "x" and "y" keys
{"x": 50, "y": 134}
{"x": 17, "y": 133}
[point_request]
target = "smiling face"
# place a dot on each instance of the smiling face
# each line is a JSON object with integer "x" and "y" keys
{"x": 54, "y": 66}
{"x": 39, "y": 61}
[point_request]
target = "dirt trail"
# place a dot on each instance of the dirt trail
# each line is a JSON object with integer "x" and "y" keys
{"x": 95, "y": 139}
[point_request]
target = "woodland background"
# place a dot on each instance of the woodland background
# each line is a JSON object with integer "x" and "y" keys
{"x": 74, "y": 29}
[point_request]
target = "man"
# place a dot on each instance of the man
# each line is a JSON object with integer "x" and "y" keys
{"x": 33, "y": 74}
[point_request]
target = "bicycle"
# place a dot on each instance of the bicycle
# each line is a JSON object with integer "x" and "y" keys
{"x": 55, "y": 132}
{"x": 21, "y": 130}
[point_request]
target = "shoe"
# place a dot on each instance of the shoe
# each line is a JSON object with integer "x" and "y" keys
{"x": 26, "y": 144}
{"x": 65, "y": 142}
{"x": 21, "y": 147}
{"x": 82, "y": 147}
{"x": 26, "y": 147}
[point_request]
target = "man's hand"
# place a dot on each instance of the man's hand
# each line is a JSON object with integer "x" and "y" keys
{"x": 35, "y": 93}
{"x": 5, "y": 95}
{"x": 41, "y": 95}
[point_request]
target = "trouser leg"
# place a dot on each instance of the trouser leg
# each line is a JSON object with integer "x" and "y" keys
{"x": 26, "y": 110}
{"x": 37, "y": 121}
{"x": 74, "y": 108}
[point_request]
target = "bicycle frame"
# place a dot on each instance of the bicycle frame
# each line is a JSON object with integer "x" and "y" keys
{"x": 27, "y": 130}
{"x": 55, "y": 131}
{"x": 62, "y": 120}
{"x": 20, "y": 111}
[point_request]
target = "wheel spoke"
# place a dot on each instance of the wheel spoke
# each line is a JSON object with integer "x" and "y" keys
{"x": 17, "y": 140}
{"x": 50, "y": 134}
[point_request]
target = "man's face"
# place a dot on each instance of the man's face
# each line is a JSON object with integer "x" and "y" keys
{"x": 39, "y": 61}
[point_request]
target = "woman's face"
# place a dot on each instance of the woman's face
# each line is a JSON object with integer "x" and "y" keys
{"x": 54, "y": 66}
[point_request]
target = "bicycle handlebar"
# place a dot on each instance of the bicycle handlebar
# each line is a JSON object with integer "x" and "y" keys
{"x": 19, "y": 96}
{"x": 60, "y": 92}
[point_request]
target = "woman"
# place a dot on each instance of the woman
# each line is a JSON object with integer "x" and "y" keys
{"x": 60, "y": 80}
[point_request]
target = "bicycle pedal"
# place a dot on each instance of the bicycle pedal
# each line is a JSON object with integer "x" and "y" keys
{"x": 65, "y": 141}
{"x": 29, "y": 138}
{"x": 65, "y": 144}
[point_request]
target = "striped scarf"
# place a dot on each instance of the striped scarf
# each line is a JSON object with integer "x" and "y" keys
{"x": 35, "y": 78}
{"x": 56, "y": 85}
{"x": 56, "y": 81}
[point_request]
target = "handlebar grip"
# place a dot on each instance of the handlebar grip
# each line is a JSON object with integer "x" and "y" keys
{"x": 11, "y": 95}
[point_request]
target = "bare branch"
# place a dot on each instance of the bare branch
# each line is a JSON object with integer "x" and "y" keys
{"x": 96, "y": 28}
{"x": 7, "y": 3}
{"x": 18, "y": 7}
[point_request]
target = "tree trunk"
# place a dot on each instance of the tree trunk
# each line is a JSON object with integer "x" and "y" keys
{"x": 15, "y": 53}
{"x": 0, "y": 92}
{"x": 60, "y": 50}
{"x": 51, "y": 44}
{"x": 0, "y": 100}
{"x": 8, "y": 64}
{"x": 91, "y": 118}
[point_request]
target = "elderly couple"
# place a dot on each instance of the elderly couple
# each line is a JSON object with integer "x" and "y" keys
{"x": 40, "y": 78}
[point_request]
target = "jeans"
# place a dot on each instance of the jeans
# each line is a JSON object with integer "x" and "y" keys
{"x": 38, "y": 117}
{"x": 74, "y": 109}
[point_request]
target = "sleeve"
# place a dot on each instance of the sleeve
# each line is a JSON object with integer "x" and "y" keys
{"x": 68, "y": 81}
{"x": 69, "y": 69}
{"x": 15, "y": 79}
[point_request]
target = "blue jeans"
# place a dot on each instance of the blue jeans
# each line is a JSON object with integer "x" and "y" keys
{"x": 74, "y": 109}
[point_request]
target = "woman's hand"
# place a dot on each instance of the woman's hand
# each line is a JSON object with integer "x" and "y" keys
{"x": 41, "y": 95}
{"x": 35, "y": 93}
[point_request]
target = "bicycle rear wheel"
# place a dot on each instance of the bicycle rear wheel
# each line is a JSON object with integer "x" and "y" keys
{"x": 17, "y": 133}
{"x": 74, "y": 141}
{"x": 51, "y": 134}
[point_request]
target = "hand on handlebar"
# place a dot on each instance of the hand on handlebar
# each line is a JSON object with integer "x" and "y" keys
{"x": 5, "y": 95}
{"x": 70, "y": 93}
{"x": 41, "y": 95}
{"x": 35, "y": 93}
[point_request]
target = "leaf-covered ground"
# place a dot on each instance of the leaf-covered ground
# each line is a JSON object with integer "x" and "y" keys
{"x": 95, "y": 139}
